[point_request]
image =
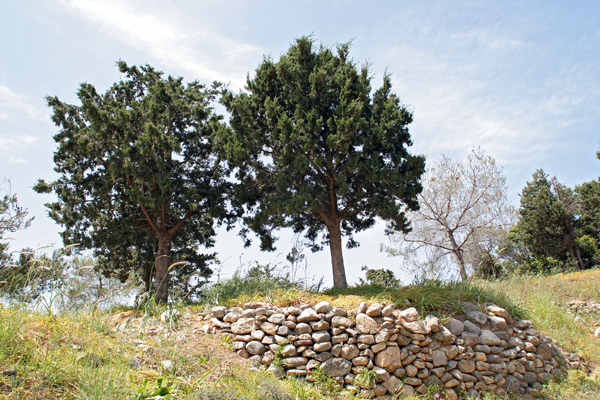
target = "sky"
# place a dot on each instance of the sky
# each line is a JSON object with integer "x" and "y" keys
{"x": 519, "y": 79}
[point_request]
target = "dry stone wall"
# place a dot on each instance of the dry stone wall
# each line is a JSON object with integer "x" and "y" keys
{"x": 489, "y": 351}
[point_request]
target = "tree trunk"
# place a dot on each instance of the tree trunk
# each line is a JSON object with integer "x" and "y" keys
{"x": 571, "y": 245}
{"x": 161, "y": 266}
{"x": 459, "y": 257}
{"x": 337, "y": 260}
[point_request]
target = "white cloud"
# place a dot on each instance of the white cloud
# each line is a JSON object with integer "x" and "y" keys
{"x": 200, "y": 52}
{"x": 14, "y": 142}
{"x": 11, "y": 103}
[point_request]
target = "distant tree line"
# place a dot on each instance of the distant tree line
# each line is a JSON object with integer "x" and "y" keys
{"x": 465, "y": 225}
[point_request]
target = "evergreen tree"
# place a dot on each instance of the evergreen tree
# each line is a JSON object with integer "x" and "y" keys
{"x": 547, "y": 220}
{"x": 139, "y": 180}
{"x": 316, "y": 151}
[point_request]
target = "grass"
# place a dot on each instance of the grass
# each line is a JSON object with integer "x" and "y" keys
{"x": 82, "y": 355}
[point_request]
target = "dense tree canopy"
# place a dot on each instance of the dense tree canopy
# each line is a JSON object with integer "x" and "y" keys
{"x": 139, "y": 181}
{"x": 463, "y": 207}
{"x": 549, "y": 221}
{"x": 318, "y": 152}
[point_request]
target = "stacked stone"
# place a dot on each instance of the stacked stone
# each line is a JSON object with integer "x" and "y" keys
{"x": 477, "y": 353}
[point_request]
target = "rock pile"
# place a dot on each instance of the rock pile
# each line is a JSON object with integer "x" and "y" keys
{"x": 489, "y": 351}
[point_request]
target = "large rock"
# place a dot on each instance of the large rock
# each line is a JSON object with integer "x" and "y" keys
{"x": 323, "y": 307}
{"x": 409, "y": 315}
{"x": 339, "y": 321}
{"x": 255, "y": 348}
{"x": 374, "y": 310}
{"x": 389, "y": 359}
{"x": 365, "y": 324}
{"x": 455, "y": 326}
{"x": 308, "y": 315}
{"x": 336, "y": 367}
{"x": 392, "y": 384}
{"x": 243, "y": 326}
{"x": 439, "y": 358}
{"x": 489, "y": 338}
{"x": 419, "y": 327}
{"x": 477, "y": 316}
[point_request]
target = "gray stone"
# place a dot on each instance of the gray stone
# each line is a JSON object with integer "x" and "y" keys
{"x": 389, "y": 359}
{"x": 455, "y": 326}
{"x": 218, "y": 312}
{"x": 349, "y": 351}
{"x": 434, "y": 323}
{"x": 269, "y": 328}
{"x": 419, "y": 327}
{"x": 409, "y": 315}
{"x": 302, "y": 328}
{"x": 323, "y": 307}
{"x": 321, "y": 347}
{"x": 374, "y": 310}
{"x": 321, "y": 336}
{"x": 365, "y": 324}
{"x": 255, "y": 348}
{"x": 471, "y": 327}
{"x": 338, "y": 321}
{"x": 439, "y": 358}
{"x": 308, "y": 315}
{"x": 243, "y": 326}
{"x": 477, "y": 316}
{"x": 392, "y": 384}
{"x": 489, "y": 338}
{"x": 277, "y": 319}
{"x": 336, "y": 367}
{"x": 388, "y": 310}
{"x": 232, "y": 317}
{"x": 498, "y": 323}
{"x": 319, "y": 325}
{"x": 291, "y": 362}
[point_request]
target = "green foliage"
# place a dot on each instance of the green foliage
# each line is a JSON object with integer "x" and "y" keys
{"x": 12, "y": 218}
{"x": 538, "y": 228}
{"x": 252, "y": 386}
{"x": 366, "y": 378}
{"x": 138, "y": 178}
{"x": 157, "y": 392}
{"x": 315, "y": 151}
{"x": 260, "y": 279}
{"x": 382, "y": 277}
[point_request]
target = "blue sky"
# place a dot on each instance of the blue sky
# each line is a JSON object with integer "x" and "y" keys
{"x": 520, "y": 79}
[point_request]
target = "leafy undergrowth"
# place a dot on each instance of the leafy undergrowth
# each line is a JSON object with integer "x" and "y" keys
{"x": 88, "y": 355}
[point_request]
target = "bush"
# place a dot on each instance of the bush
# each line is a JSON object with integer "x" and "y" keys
{"x": 260, "y": 279}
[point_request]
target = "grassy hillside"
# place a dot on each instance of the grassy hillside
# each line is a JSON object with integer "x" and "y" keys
{"x": 133, "y": 354}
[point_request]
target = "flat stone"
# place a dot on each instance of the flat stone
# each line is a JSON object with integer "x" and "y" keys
{"x": 321, "y": 336}
{"x": 439, "y": 358}
{"x": 388, "y": 310}
{"x": 489, "y": 338}
{"x": 243, "y": 326}
{"x": 349, "y": 351}
{"x": 277, "y": 318}
{"x": 308, "y": 315}
{"x": 302, "y": 328}
{"x": 417, "y": 327}
{"x": 336, "y": 367}
{"x": 291, "y": 362}
{"x": 392, "y": 384}
{"x": 321, "y": 347}
{"x": 471, "y": 327}
{"x": 339, "y": 321}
